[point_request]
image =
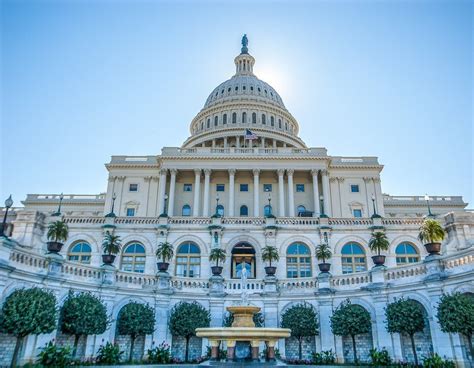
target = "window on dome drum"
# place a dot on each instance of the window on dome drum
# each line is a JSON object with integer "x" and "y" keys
{"x": 300, "y": 188}
{"x": 222, "y": 92}
{"x": 251, "y": 88}
{"x": 220, "y": 210}
{"x": 216, "y": 120}
{"x": 267, "y": 187}
{"x": 244, "y": 88}
{"x": 353, "y": 258}
{"x": 244, "y": 211}
{"x": 301, "y": 209}
{"x": 298, "y": 261}
{"x": 186, "y": 211}
{"x": 254, "y": 118}
{"x": 133, "y": 258}
{"x": 234, "y": 118}
{"x": 187, "y": 187}
{"x": 357, "y": 213}
{"x": 188, "y": 260}
{"x": 224, "y": 119}
{"x": 208, "y": 123}
{"x": 202, "y": 125}
{"x": 133, "y": 187}
{"x": 267, "y": 210}
{"x": 279, "y": 123}
{"x": 243, "y": 255}
{"x": 80, "y": 252}
{"x": 244, "y": 187}
{"x": 259, "y": 90}
{"x": 406, "y": 253}
{"x": 354, "y": 188}
{"x": 272, "y": 121}
{"x": 264, "y": 119}
{"x": 130, "y": 212}
{"x": 236, "y": 88}
{"x": 244, "y": 117}
{"x": 220, "y": 187}
{"x": 228, "y": 89}
{"x": 286, "y": 126}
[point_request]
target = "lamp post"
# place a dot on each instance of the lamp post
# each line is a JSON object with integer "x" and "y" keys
{"x": 58, "y": 212}
{"x": 321, "y": 200}
{"x": 165, "y": 209}
{"x": 375, "y": 214}
{"x": 217, "y": 204}
{"x": 111, "y": 213}
{"x": 8, "y": 204}
{"x": 269, "y": 204}
{"x": 427, "y": 199}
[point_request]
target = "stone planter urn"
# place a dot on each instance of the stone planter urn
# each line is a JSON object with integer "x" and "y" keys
{"x": 108, "y": 259}
{"x": 324, "y": 267}
{"x": 54, "y": 247}
{"x": 433, "y": 248}
{"x": 378, "y": 260}
{"x": 216, "y": 270}
{"x": 162, "y": 266}
{"x": 270, "y": 270}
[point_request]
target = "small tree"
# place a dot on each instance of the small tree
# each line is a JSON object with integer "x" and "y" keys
{"x": 269, "y": 254}
{"x": 378, "y": 242}
{"x": 58, "y": 231}
{"x": 135, "y": 319}
{"x": 26, "y": 312}
{"x": 216, "y": 255}
{"x": 185, "y": 318}
{"x": 82, "y": 314}
{"x": 164, "y": 251}
{"x": 303, "y": 322}
{"x": 323, "y": 252}
{"x": 431, "y": 232}
{"x": 456, "y": 315}
{"x": 405, "y": 316}
{"x": 350, "y": 320}
{"x": 111, "y": 244}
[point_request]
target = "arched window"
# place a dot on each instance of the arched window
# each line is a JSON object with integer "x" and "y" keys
{"x": 243, "y": 255}
{"x": 224, "y": 119}
{"x": 202, "y": 125}
{"x": 264, "y": 119}
{"x": 244, "y": 117}
{"x": 220, "y": 210}
{"x": 254, "y": 118}
{"x": 353, "y": 258}
{"x": 216, "y": 120}
{"x": 234, "y": 118}
{"x": 188, "y": 260}
{"x": 133, "y": 258}
{"x": 406, "y": 253}
{"x": 208, "y": 123}
{"x": 80, "y": 252}
{"x": 286, "y": 125}
{"x": 279, "y": 123}
{"x": 244, "y": 210}
{"x": 272, "y": 121}
{"x": 267, "y": 210}
{"x": 301, "y": 209}
{"x": 298, "y": 261}
{"x": 186, "y": 210}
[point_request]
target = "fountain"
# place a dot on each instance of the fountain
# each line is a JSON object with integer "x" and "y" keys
{"x": 243, "y": 333}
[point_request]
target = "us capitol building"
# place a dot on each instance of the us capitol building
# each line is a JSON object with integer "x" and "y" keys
{"x": 242, "y": 180}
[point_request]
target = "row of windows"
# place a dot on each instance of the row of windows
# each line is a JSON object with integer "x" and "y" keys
{"x": 251, "y": 88}
{"x": 244, "y": 120}
{"x": 188, "y": 187}
{"x": 298, "y": 258}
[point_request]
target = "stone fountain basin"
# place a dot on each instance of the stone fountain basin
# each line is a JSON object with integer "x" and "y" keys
{"x": 243, "y": 333}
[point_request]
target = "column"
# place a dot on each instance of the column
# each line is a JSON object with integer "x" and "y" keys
{"x": 339, "y": 181}
{"x": 256, "y": 188}
{"x": 325, "y": 312}
{"x": 281, "y": 192}
{"x": 378, "y": 198}
{"x": 172, "y": 190}
{"x": 231, "y": 191}
{"x": 225, "y": 142}
{"x": 326, "y": 195}
{"x": 237, "y": 142}
{"x": 119, "y": 192}
{"x": 317, "y": 209}
{"x": 207, "y": 179}
{"x": 262, "y": 140}
{"x": 291, "y": 195}
{"x": 197, "y": 190}
{"x": 148, "y": 185}
{"x": 162, "y": 191}
{"x": 367, "y": 195}
{"x": 274, "y": 143}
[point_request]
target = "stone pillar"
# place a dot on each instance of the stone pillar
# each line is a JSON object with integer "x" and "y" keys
{"x": 326, "y": 195}
{"x": 255, "y": 345}
{"x": 230, "y": 350}
{"x": 225, "y": 142}
{"x": 274, "y": 143}
{"x": 281, "y": 192}
{"x": 162, "y": 307}
{"x": 262, "y": 140}
{"x": 231, "y": 191}
{"x": 291, "y": 195}
{"x": 119, "y": 193}
{"x": 256, "y": 189}
{"x": 271, "y": 351}
{"x": 237, "y": 142}
{"x": 207, "y": 179}
{"x": 197, "y": 190}
{"x": 314, "y": 174}
{"x": 172, "y": 191}
{"x": 214, "y": 350}
{"x": 325, "y": 313}
{"x": 162, "y": 191}
{"x": 381, "y": 338}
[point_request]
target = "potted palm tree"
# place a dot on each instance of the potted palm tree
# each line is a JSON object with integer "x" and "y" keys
{"x": 111, "y": 246}
{"x": 323, "y": 253}
{"x": 431, "y": 234}
{"x": 216, "y": 255}
{"x": 57, "y": 234}
{"x": 269, "y": 254}
{"x": 377, "y": 243}
{"x": 165, "y": 253}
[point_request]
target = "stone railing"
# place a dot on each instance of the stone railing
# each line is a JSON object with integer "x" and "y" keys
{"x": 137, "y": 220}
{"x": 420, "y": 200}
{"x": 350, "y": 221}
{"x": 30, "y": 260}
{"x": 459, "y": 260}
{"x": 183, "y": 283}
{"x": 311, "y": 221}
{"x": 399, "y": 272}
{"x": 84, "y": 220}
{"x": 256, "y": 221}
{"x": 234, "y": 286}
{"x": 297, "y": 284}
{"x": 185, "y": 220}
{"x": 79, "y": 270}
{"x": 352, "y": 279}
{"x": 402, "y": 221}
{"x": 137, "y": 279}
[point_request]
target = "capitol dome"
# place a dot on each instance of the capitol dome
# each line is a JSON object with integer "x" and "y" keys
{"x": 244, "y": 103}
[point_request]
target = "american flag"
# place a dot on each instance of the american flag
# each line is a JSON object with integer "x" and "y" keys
{"x": 249, "y": 135}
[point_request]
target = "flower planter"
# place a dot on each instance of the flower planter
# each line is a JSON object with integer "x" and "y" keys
{"x": 270, "y": 270}
{"x": 378, "y": 260}
{"x": 324, "y": 267}
{"x": 108, "y": 259}
{"x": 216, "y": 270}
{"x": 162, "y": 266}
{"x": 433, "y": 248}
{"x": 54, "y": 247}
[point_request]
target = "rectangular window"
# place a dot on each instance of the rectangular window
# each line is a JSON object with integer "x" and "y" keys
{"x": 300, "y": 187}
{"x": 244, "y": 187}
{"x": 220, "y": 187}
{"x": 133, "y": 187}
{"x": 357, "y": 213}
{"x": 187, "y": 187}
{"x": 267, "y": 187}
{"x": 355, "y": 188}
{"x": 130, "y": 212}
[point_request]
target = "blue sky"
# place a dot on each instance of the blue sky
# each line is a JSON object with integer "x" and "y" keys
{"x": 83, "y": 80}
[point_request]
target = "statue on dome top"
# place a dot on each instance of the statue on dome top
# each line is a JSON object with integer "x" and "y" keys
{"x": 245, "y": 43}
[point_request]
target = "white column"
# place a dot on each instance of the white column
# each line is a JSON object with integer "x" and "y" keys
{"x": 197, "y": 191}
{"x": 263, "y": 142}
{"x": 207, "y": 178}
{"x": 326, "y": 195}
{"x": 281, "y": 192}
{"x": 172, "y": 190}
{"x": 291, "y": 195}
{"x": 162, "y": 191}
{"x": 256, "y": 188}
{"x": 231, "y": 191}
{"x": 317, "y": 209}
{"x": 237, "y": 142}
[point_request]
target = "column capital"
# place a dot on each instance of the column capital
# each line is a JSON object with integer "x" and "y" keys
{"x": 197, "y": 172}
{"x": 173, "y": 171}
{"x": 112, "y": 178}
{"x": 256, "y": 172}
{"x": 340, "y": 179}
{"x": 232, "y": 171}
{"x": 324, "y": 172}
{"x": 367, "y": 179}
{"x": 376, "y": 180}
{"x": 155, "y": 178}
{"x": 281, "y": 172}
{"x": 163, "y": 171}
{"x": 207, "y": 172}
{"x": 147, "y": 178}
{"x": 314, "y": 172}
{"x": 290, "y": 172}
{"x": 120, "y": 178}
